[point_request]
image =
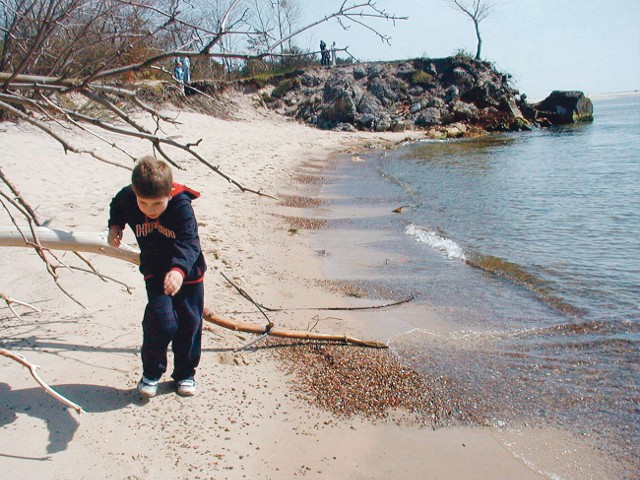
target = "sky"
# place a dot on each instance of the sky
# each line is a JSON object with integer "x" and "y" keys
{"x": 546, "y": 45}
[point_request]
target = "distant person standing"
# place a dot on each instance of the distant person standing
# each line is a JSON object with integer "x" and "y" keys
{"x": 181, "y": 71}
{"x": 186, "y": 74}
{"x": 324, "y": 55}
{"x": 178, "y": 70}
{"x": 333, "y": 54}
{"x": 186, "y": 65}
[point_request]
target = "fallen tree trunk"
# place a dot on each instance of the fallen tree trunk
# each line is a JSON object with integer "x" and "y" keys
{"x": 91, "y": 242}
{"x": 97, "y": 243}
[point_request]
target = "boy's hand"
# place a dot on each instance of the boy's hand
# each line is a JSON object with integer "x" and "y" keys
{"x": 115, "y": 235}
{"x": 172, "y": 282}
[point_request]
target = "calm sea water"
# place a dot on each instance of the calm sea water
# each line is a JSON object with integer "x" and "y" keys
{"x": 527, "y": 246}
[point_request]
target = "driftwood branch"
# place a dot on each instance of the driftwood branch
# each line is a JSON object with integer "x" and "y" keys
{"x": 34, "y": 373}
{"x": 279, "y": 332}
{"x": 33, "y": 240}
{"x": 33, "y": 368}
{"x": 45, "y": 239}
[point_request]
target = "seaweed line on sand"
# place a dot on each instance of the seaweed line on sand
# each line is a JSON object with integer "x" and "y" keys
{"x": 297, "y": 201}
{"x": 301, "y": 223}
{"x": 310, "y": 179}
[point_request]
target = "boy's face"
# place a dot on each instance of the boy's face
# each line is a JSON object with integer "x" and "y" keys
{"x": 153, "y": 207}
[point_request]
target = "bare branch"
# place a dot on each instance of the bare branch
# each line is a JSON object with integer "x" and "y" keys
{"x": 10, "y": 301}
{"x": 69, "y": 241}
{"x": 223, "y": 22}
{"x": 67, "y": 147}
{"x": 262, "y": 307}
{"x": 347, "y": 13}
{"x": 279, "y": 332}
{"x": 33, "y": 369}
{"x": 19, "y": 197}
{"x": 103, "y": 277}
{"x": 139, "y": 132}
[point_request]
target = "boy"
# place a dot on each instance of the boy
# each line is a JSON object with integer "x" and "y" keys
{"x": 160, "y": 214}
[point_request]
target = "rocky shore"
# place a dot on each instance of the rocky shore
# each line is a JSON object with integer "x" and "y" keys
{"x": 446, "y": 97}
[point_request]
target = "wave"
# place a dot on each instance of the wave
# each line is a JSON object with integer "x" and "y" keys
{"x": 510, "y": 271}
{"x": 437, "y": 241}
{"x": 518, "y": 275}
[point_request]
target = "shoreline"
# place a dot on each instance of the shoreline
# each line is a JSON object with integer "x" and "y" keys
{"x": 582, "y": 457}
{"x": 246, "y": 421}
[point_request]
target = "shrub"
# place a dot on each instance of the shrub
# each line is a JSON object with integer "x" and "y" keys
{"x": 268, "y": 98}
{"x": 422, "y": 78}
{"x": 462, "y": 54}
{"x": 285, "y": 86}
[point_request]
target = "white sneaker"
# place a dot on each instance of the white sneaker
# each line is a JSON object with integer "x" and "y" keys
{"x": 186, "y": 387}
{"x": 147, "y": 388}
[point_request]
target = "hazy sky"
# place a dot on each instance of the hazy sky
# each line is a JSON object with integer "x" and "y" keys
{"x": 588, "y": 45}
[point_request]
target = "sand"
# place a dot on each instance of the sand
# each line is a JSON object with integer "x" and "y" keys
{"x": 248, "y": 420}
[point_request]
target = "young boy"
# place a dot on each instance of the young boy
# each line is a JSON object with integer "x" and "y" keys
{"x": 160, "y": 214}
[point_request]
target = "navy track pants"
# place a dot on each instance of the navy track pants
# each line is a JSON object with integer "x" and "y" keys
{"x": 176, "y": 320}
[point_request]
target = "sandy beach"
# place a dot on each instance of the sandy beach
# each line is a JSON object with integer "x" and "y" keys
{"x": 247, "y": 420}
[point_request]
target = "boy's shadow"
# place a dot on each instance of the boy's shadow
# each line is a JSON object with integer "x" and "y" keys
{"x": 60, "y": 420}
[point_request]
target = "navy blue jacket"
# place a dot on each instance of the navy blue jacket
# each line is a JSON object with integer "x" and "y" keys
{"x": 169, "y": 242}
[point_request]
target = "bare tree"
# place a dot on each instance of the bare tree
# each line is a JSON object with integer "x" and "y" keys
{"x": 287, "y": 16}
{"x": 209, "y": 19}
{"x": 274, "y": 20}
{"x": 477, "y": 11}
{"x": 98, "y": 49}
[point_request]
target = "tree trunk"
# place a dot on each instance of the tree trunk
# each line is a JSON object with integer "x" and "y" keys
{"x": 477, "y": 26}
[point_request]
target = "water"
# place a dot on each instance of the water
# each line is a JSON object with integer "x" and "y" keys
{"x": 527, "y": 247}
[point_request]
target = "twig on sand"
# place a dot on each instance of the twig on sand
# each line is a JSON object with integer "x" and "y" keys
{"x": 10, "y": 301}
{"x": 33, "y": 369}
{"x": 261, "y": 307}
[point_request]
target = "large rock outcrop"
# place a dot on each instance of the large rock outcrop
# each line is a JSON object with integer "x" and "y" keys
{"x": 451, "y": 95}
{"x": 420, "y": 93}
{"x": 561, "y": 108}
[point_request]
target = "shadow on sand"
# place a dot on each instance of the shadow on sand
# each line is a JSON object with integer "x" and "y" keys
{"x": 61, "y": 421}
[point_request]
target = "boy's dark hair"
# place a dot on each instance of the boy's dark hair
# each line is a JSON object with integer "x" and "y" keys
{"x": 151, "y": 178}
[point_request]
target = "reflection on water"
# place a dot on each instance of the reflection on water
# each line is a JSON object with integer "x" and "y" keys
{"x": 452, "y": 152}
